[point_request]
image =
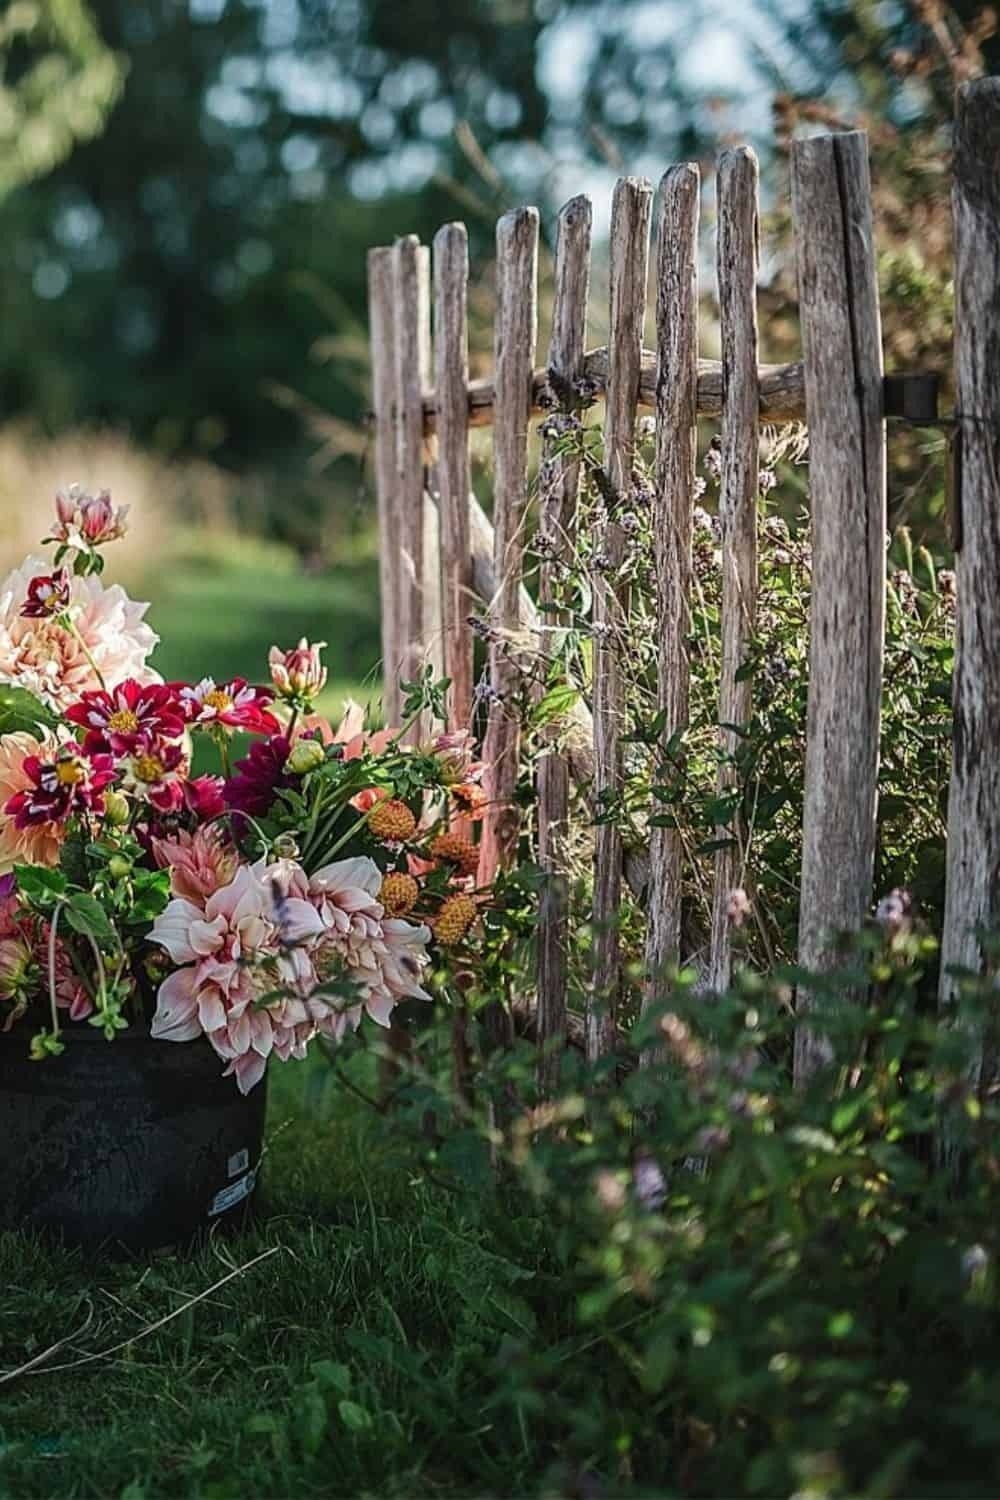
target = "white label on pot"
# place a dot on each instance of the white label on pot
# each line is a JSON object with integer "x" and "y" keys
{"x": 239, "y": 1162}
{"x": 233, "y": 1194}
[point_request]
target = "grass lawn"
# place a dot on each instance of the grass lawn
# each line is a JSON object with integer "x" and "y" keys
{"x": 361, "y": 1357}
{"x": 218, "y": 605}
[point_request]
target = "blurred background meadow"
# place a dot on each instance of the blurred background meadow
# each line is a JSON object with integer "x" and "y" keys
{"x": 188, "y": 189}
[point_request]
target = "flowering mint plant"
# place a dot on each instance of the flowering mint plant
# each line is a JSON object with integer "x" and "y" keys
{"x": 297, "y": 888}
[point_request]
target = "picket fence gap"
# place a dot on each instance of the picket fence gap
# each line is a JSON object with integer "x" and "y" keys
{"x": 421, "y": 444}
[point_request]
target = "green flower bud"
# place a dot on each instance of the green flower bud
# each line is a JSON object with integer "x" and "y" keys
{"x": 116, "y": 809}
{"x": 306, "y": 756}
{"x": 119, "y": 866}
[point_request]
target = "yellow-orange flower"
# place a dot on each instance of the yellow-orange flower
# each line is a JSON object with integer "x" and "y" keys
{"x": 454, "y": 919}
{"x": 393, "y": 821}
{"x": 398, "y": 893}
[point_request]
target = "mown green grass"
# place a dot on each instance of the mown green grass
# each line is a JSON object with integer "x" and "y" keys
{"x": 363, "y": 1357}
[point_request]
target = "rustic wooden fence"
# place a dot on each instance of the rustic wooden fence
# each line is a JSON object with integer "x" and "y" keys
{"x": 439, "y": 552}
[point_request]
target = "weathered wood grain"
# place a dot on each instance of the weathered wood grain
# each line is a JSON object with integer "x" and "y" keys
{"x": 515, "y": 335}
{"x": 972, "y": 901}
{"x": 557, "y": 516}
{"x": 841, "y": 336}
{"x": 629, "y": 267}
{"x": 411, "y": 292}
{"x": 782, "y": 390}
{"x": 738, "y": 254}
{"x": 451, "y": 375}
{"x": 381, "y": 321}
{"x": 676, "y": 445}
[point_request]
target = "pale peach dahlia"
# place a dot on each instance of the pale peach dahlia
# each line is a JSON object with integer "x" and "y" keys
{"x": 48, "y": 660}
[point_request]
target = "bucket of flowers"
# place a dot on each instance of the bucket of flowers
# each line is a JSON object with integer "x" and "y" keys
{"x": 167, "y": 930}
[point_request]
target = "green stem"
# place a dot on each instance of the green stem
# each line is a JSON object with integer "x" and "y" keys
{"x": 69, "y": 624}
{"x": 53, "y": 1005}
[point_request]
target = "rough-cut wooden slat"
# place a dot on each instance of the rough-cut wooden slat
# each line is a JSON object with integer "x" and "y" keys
{"x": 973, "y": 890}
{"x": 557, "y": 507}
{"x": 629, "y": 266}
{"x": 841, "y": 337}
{"x": 782, "y": 390}
{"x": 411, "y": 287}
{"x": 676, "y": 447}
{"x": 737, "y": 273}
{"x": 451, "y": 349}
{"x": 382, "y": 336}
{"x": 516, "y": 331}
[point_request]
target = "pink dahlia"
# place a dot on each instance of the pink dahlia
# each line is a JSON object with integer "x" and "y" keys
{"x": 35, "y": 843}
{"x": 384, "y": 956}
{"x": 42, "y": 656}
{"x": 230, "y": 951}
{"x": 200, "y": 863}
{"x": 128, "y": 715}
{"x": 234, "y": 705}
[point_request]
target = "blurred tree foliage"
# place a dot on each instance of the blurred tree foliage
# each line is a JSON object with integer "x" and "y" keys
{"x": 59, "y": 82}
{"x": 172, "y": 277}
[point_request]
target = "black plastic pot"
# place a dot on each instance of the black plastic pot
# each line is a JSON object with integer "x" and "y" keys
{"x": 134, "y": 1141}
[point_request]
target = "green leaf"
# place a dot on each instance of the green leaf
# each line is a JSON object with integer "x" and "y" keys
{"x": 86, "y": 915}
{"x": 354, "y": 1417}
{"x": 40, "y": 886}
{"x": 312, "y": 1419}
{"x": 330, "y": 1375}
{"x": 556, "y": 704}
{"x": 22, "y": 712}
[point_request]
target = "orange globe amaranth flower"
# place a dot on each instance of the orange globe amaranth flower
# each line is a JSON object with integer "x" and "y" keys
{"x": 393, "y": 821}
{"x": 456, "y": 850}
{"x": 453, "y": 921}
{"x": 398, "y": 893}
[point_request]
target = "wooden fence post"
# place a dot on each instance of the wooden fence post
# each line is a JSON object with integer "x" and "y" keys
{"x": 841, "y": 338}
{"x": 973, "y": 876}
{"x": 629, "y": 266}
{"x": 382, "y": 334}
{"x": 676, "y": 452}
{"x": 516, "y": 332}
{"x": 451, "y": 349}
{"x": 556, "y": 522}
{"x": 419, "y": 594}
{"x": 738, "y": 251}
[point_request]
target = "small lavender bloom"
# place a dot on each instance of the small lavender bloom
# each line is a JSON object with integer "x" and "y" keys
{"x": 648, "y": 1182}
{"x": 894, "y": 912}
{"x": 974, "y": 1262}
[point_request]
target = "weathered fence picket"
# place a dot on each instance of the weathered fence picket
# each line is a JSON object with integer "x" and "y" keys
{"x": 516, "y": 332}
{"x": 839, "y": 389}
{"x": 629, "y": 265}
{"x": 676, "y": 452}
{"x": 738, "y": 254}
{"x": 842, "y": 347}
{"x": 973, "y": 873}
{"x": 451, "y": 380}
{"x": 557, "y": 521}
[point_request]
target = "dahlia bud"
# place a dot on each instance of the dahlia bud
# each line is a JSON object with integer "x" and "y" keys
{"x": 116, "y": 809}
{"x": 285, "y": 846}
{"x": 305, "y": 756}
{"x": 298, "y": 675}
{"x": 119, "y": 866}
{"x": 87, "y": 521}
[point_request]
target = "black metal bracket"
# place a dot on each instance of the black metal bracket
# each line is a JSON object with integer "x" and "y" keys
{"x": 914, "y": 398}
